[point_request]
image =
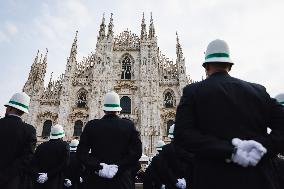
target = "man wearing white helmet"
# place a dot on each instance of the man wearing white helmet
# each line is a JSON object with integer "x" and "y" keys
{"x": 50, "y": 161}
{"x": 223, "y": 121}
{"x": 18, "y": 141}
{"x": 74, "y": 171}
{"x": 115, "y": 148}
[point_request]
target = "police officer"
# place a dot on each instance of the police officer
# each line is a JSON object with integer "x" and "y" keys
{"x": 74, "y": 171}
{"x": 177, "y": 164}
{"x": 50, "y": 161}
{"x": 115, "y": 148}
{"x": 18, "y": 141}
{"x": 224, "y": 120}
{"x": 153, "y": 178}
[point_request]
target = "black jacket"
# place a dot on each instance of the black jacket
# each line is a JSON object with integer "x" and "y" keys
{"x": 18, "y": 141}
{"x": 112, "y": 140}
{"x": 177, "y": 164}
{"x": 213, "y": 112}
{"x": 74, "y": 171}
{"x": 52, "y": 158}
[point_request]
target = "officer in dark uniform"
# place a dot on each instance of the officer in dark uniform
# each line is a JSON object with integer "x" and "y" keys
{"x": 115, "y": 148}
{"x": 74, "y": 171}
{"x": 224, "y": 120}
{"x": 18, "y": 141}
{"x": 50, "y": 161}
{"x": 154, "y": 177}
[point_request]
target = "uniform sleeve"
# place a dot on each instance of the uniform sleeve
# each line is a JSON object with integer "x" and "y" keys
{"x": 25, "y": 158}
{"x": 63, "y": 164}
{"x": 274, "y": 141}
{"x": 83, "y": 151}
{"x": 188, "y": 136}
{"x": 134, "y": 151}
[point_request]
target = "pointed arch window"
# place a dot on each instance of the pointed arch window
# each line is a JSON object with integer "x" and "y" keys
{"x": 82, "y": 99}
{"x": 125, "y": 103}
{"x": 46, "y": 129}
{"x": 168, "y": 100}
{"x": 78, "y": 126}
{"x": 169, "y": 124}
{"x": 126, "y": 68}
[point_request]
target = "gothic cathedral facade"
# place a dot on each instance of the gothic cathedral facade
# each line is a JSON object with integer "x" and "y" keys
{"x": 149, "y": 84}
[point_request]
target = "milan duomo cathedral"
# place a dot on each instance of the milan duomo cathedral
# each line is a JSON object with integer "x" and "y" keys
{"x": 149, "y": 84}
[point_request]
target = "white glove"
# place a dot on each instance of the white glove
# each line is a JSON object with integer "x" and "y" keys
{"x": 42, "y": 178}
{"x": 163, "y": 186}
{"x": 248, "y": 145}
{"x": 67, "y": 183}
{"x": 241, "y": 158}
{"x": 249, "y": 152}
{"x": 81, "y": 179}
{"x": 108, "y": 171}
{"x": 181, "y": 183}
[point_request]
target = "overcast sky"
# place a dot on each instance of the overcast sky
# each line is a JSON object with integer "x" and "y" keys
{"x": 254, "y": 30}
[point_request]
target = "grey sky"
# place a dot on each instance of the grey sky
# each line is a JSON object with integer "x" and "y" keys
{"x": 254, "y": 30}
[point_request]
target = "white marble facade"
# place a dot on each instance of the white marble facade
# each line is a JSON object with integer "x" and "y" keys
{"x": 148, "y": 83}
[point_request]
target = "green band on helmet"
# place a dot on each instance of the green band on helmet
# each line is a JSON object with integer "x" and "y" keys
{"x": 19, "y": 104}
{"x": 217, "y": 55}
{"x": 282, "y": 102}
{"x": 57, "y": 134}
{"x": 111, "y": 105}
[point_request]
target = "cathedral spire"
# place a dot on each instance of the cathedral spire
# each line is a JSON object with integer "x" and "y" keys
{"x": 178, "y": 49}
{"x": 151, "y": 28}
{"x": 110, "y": 27}
{"x": 102, "y": 29}
{"x": 143, "y": 29}
{"x": 36, "y": 58}
{"x": 45, "y": 57}
{"x": 73, "y": 52}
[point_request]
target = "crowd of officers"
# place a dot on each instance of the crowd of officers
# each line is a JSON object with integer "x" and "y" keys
{"x": 219, "y": 140}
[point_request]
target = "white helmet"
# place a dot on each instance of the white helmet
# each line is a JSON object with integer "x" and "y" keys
{"x": 171, "y": 131}
{"x": 112, "y": 102}
{"x": 280, "y": 98}
{"x": 159, "y": 145}
{"x": 73, "y": 144}
{"x": 57, "y": 132}
{"x": 217, "y": 51}
{"x": 144, "y": 158}
{"x": 20, "y": 101}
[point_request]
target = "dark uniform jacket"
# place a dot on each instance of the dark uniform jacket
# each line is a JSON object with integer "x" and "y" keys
{"x": 74, "y": 171}
{"x": 18, "y": 141}
{"x": 112, "y": 140}
{"x": 213, "y": 112}
{"x": 177, "y": 164}
{"x": 52, "y": 158}
{"x": 279, "y": 166}
{"x": 152, "y": 178}
{"x": 170, "y": 164}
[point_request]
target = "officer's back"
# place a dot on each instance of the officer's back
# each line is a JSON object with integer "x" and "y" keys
{"x": 227, "y": 100}
{"x": 110, "y": 137}
{"x": 50, "y": 154}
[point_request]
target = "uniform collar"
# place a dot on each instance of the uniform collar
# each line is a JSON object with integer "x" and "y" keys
{"x": 220, "y": 73}
{"x": 14, "y": 116}
{"x": 109, "y": 116}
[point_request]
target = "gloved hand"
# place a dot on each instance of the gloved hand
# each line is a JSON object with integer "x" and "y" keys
{"x": 248, "y": 145}
{"x": 113, "y": 170}
{"x": 163, "y": 186}
{"x": 42, "y": 178}
{"x": 67, "y": 183}
{"x": 241, "y": 157}
{"x": 81, "y": 179}
{"x": 108, "y": 171}
{"x": 249, "y": 152}
{"x": 181, "y": 183}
